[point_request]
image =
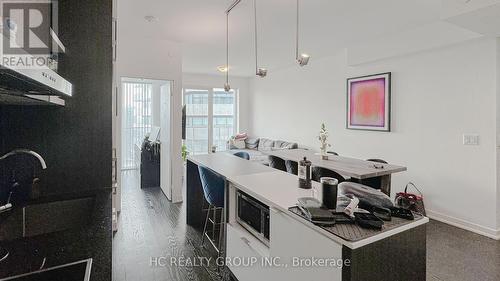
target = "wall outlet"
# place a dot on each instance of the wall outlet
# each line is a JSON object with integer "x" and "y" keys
{"x": 471, "y": 139}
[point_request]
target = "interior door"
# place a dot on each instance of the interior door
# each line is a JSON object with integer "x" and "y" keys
{"x": 165, "y": 138}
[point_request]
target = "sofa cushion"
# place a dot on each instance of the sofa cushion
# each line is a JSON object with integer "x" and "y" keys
{"x": 279, "y": 144}
{"x": 291, "y": 145}
{"x": 236, "y": 144}
{"x": 252, "y": 143}
{"x": 265, "y": 144}
{"x": 240, "y": 144}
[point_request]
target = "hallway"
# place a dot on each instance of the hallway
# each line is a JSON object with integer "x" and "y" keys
{"x": 149, "y": 227}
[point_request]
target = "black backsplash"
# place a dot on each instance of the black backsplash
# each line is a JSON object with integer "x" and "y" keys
{"x": 75, "y": 140}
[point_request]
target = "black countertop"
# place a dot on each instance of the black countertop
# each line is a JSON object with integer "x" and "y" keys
{"x": 93, "y": 239}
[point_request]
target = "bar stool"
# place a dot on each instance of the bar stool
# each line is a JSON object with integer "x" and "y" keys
{"x": 213, "y": 190}
{"x": 375, "y": 182}
{"x": 318, "y": 172}
{"x": 292, "y": 167}
{"x": 242, "y": 154}
{"x": 277, "y": 163}
{"x": 377, "y": 160}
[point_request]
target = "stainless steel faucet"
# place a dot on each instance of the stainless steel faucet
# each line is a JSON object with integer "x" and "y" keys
{"x": 4, "y": 254}
{"x": 25, "y": 151}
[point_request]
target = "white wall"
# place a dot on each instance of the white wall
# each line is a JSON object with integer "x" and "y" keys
{"x": 155, "y": 102}
{"x": 498, "y": 135}
{"x": 210, "y": 81}
{"x": 436, "y": 97}
{"x": 160, "y": 60}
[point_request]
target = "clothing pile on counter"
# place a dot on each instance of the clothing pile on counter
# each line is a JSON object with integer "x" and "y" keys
{"x": 361, "y": 212}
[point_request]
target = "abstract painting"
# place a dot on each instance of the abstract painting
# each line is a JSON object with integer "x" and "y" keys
{"x": 369, "y": 102}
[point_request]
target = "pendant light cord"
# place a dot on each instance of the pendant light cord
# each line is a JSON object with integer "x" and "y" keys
{"x": 255, "y": 34}
{"x": 235, "y": 3}
{"x": 297, "y": 34}
{"x": 227, "y": 48}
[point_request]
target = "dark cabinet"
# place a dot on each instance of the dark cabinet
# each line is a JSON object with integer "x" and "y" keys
{"x": 150, "y": 164}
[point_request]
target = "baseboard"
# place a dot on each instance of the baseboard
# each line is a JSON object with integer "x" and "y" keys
{"x": 485, "y": 231}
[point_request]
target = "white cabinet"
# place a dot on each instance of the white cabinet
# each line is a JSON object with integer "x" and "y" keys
{"x": 245, "y": 255}
{"x": 298, "y": 246}
{"x": 296, "y": 252}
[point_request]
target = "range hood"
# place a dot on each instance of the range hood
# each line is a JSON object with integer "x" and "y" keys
{"x": 32, "y": 86}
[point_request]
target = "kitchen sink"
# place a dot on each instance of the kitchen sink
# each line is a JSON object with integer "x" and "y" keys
{"x": 56, "y": 216}
{"x": 76, "y": 271}
{"x": 43, "y": 218}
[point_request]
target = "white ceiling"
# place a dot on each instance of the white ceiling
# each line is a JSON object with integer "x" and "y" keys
{"x": 327, "y": 26}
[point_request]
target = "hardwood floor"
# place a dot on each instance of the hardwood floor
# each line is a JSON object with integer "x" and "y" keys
{"x": 151, "y": 226}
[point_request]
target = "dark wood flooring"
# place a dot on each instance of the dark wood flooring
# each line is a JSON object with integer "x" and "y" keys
{"x": 151, "y": 226}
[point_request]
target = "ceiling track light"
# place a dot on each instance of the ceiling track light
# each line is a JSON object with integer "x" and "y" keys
{"x": 259, "y": 71}
{"x": 222, "y": 68}
{"x": 302, "y": 59}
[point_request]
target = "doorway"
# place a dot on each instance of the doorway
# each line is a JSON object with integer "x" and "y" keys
{"x": 146, "y": 113}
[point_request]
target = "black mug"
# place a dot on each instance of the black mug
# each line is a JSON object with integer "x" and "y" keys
{"x": 329, "y": 186}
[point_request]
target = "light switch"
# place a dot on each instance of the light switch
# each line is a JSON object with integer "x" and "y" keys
{"x": 471, "y": 139}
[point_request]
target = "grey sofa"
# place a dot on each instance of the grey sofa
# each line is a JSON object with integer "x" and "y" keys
{"x": 257, "y": 148}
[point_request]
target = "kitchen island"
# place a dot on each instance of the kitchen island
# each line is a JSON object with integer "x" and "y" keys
{"x": 295, "y": 245}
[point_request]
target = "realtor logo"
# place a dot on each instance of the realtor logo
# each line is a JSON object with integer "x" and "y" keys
{"x": 29, "y": 33}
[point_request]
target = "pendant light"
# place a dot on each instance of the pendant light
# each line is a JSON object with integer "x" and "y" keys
{"x": 303, "y": 59}
{"x": 259, "y": 71}
{"x": 227, "y": 87}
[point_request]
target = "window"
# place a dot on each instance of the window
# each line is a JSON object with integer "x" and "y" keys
{"x": 196, "y": 102}
{"x": 211, "y": 119}
{"x": 136, "y": 118}
{"x": 223, "y": 117}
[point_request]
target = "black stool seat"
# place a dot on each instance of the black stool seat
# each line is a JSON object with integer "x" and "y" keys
{"x": 277, "y": 163}
{"x": 292, "y": 167}
{"x": 242, "y": 154}
{"x": 319, "y": 172}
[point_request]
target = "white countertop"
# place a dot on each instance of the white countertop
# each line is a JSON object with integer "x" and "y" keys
{"x": 352, "y": 167}
{"x": 228, "y": 165}
{"x": 279, "y": 190}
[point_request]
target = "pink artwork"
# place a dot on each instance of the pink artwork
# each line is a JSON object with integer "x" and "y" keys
{"x": 368, "y": 100}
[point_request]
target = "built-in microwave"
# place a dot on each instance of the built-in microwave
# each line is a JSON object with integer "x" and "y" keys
{"x": 253, "y": 216}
